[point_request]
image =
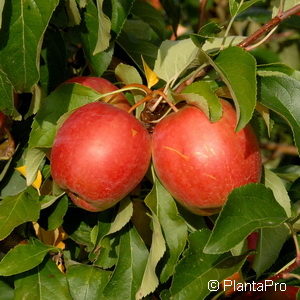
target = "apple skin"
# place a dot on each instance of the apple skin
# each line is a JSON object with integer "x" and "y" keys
{"x": 2, "y": 122}
{"x": 252, "y": 242}
{"x": 99, "y": 155}
{"x": 103, "y": 86}
{"x": 200, "y": 162}
{"x": 289, "y": 294}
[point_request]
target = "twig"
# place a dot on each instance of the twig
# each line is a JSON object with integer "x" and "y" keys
{"x": 247, "y": 42}
{"x": 269, "y": 26}
{"x": 280, "y": 148}
{"x": 267, "y": 37}
{"x": 230, "y": 24}
{"x": 202, "y": 7}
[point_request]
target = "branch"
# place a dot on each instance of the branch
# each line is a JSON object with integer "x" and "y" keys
{"x": 280, "y": 148}
{"x": 248, "y": 41}
{"x": 269, "y": 26}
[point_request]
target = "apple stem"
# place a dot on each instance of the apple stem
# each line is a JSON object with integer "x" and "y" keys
{"x": 281, "y": 16}
{"x": 158, "y": 120}
{"x": 163, "y": 95}
{"x": 151, "y": 95}
{"x": 140, "y": 86}
{"x": 294, "y": 235}
{"x": 145, "y": 99}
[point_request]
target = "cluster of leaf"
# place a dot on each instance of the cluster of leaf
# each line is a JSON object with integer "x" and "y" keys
{"x": 147, "y": 244}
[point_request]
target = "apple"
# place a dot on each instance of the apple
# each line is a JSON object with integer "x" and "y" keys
{"x": 3, "y": 123}
{"x": 99, "y": 155}
{"x": 252, "y": 242}
{"x": 200, "y": 162}
{"x": 103, "y": 86}
{"x": 287, "y": 293}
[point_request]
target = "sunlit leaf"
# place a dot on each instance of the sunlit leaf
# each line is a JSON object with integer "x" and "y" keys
{"x": 103, "y": 30}
{"x": 37, "y": 181}
{"x": 31, "y": 255}
{"x": 18, "y": 209}
{"x": 132, "y": 259}
{"x": 24, "y": 24}
{"x": 151, "y": 76}
{"x": 195, "y": 271}
{"x": 280, "y": 94}
{"x": 86, "y": 282}
{"x": 238, "y": 70}
{"x": 248, "y": 208}
{"x": 45, "y": 282}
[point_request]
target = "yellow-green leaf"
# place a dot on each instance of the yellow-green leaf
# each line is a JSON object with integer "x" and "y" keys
{"x": 151, "y": 76}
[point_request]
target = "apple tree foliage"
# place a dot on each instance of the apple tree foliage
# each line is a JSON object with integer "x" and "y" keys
{"x": 147, "y": 246}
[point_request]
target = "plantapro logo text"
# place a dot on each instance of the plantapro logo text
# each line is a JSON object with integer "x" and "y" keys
{"x": 254, "y": 286}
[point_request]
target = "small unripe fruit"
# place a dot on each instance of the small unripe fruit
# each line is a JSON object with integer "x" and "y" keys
{"x": 99, "y": 155}
{"x": 200, "y": 162}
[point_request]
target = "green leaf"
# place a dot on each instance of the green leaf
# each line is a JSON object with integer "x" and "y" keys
{"x": 173, "y": 58}
{"x": 248, "y": 208}
{"x": 280, "y": 94}
{"x": 108, "y": 226}
{"x": 16, "y": 210}
{"x": 45, "y": 282}
{"x": 13, "y": 184}
{"x": 65, "y": 98}
{"x": 213, "y": 45}
{"x": 173, "y": 11}
{"x": 128, "y": 74}
{"x": 56, "y": 217}
{"x": 108, "y": 256}
{"x": 1, "y": 11}
{"x": 55, "y": 58}
{"x": 89, "y": 34}
{"x": 157, "y": 250}
{"x": 24, "y": 24}
{"x": 73, "y": 12}
{"x": 104, "y": 27}
{"x": 123, "y": 216}
{"x": 173, "y": 226}
{"x": 78, "y": 225}
{"x": 33, "y": 159}
{"x": 30, "y": 255}
{"x": 201, "y": 94}
{"x": 128, "y": 273}
{"x": 207, "y": 31}
{"x": 197, "y": 269}
{"x": 235, "y": 7}
{"x": 6, "y": 292}
{"x": 274, "y": 69}
{"x": 270, "y": 242}
{"x": 120, "y": 12}
{"x": 86, "y": 282}
{"x": 48, "y": 200}
{"x": 273, "y": 182}
{"x": 238, "y": 70}
{"x": 142, "y": 40}
{"x": 6, "y": 96}
{"x": 154, "y": 18}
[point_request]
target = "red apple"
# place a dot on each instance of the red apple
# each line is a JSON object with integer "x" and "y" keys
{"x": 287, "y": 293}
{"x": 99, "y": 155}
{"x": 200, "y": 162}
{"x": 252, "y": 241}
{"x": 103, "y": 86}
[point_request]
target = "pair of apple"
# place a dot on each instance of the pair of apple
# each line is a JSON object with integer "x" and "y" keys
{"x": 101, "y": 153}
